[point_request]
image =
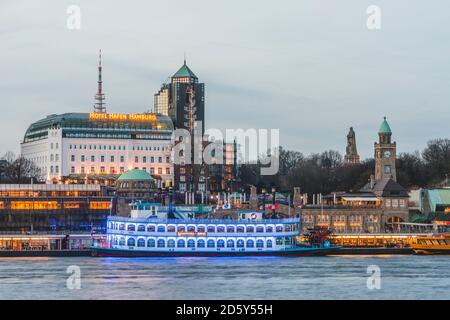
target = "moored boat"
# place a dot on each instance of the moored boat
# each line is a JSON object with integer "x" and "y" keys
{"x": 432, "y": 244}
{"x": 150, "y": 232}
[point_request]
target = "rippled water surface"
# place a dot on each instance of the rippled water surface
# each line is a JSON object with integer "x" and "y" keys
{"x": 338, "y": 277}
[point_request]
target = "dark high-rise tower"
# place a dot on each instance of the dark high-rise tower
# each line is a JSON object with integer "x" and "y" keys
{"x": 183, "y": 99}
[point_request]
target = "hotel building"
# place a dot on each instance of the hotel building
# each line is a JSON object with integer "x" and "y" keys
{"x": 97, "y": 147}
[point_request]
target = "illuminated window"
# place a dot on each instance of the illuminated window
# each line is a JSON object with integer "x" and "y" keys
{"x": 171, "y": 243}
{"x": 99, "y": 205}
{"x": 201, "y": 243}
{"x": 151, "y": 243}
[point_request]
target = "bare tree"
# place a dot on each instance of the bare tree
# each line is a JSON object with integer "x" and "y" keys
{"x": 20, "y": 169}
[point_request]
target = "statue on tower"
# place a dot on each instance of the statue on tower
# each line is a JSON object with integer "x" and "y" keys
{"x": 351, "y": 155}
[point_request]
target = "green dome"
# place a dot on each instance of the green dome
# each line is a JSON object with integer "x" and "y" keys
{"x": 135, "y": 175}
{"x": 384, "y": 128}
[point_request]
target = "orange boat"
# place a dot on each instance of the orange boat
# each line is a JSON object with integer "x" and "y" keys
{"x": 432, "y": 244}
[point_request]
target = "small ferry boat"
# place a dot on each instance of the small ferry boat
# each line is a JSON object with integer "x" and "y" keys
{"x": 150, "y": 232}
{"x": 432, "y": 244}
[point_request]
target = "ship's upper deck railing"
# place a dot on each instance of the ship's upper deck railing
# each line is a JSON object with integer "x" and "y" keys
{"x": 203, "y": 221}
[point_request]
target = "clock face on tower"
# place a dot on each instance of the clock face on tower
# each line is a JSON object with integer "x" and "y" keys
{"x": 387, "y": 154}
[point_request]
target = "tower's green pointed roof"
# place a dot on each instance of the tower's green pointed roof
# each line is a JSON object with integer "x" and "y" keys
{"x": 385, "y": 128}
{"x": 184, "y": 72}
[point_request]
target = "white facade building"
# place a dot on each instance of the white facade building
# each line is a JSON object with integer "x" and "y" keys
{"x": 89, "y": 145}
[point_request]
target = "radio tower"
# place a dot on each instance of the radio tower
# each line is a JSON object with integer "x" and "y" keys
{"x": 99, "y": 105}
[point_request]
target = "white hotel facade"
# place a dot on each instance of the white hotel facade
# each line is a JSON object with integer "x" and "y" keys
{"x": 95, "y": 145}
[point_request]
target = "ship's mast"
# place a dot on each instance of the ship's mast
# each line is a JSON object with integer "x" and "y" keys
{"x": 99, "y": 105}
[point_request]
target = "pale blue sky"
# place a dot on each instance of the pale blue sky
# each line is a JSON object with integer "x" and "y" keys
{"x": 310, "y": 68}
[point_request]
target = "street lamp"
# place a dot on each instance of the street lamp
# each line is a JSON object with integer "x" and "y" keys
{"x": 273, "y": 202}
{"x": 263, "y": 191}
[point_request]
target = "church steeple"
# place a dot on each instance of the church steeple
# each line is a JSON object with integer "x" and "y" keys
{"x": 99, "y": 105}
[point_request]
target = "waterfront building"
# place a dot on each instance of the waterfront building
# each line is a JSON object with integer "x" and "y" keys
{"x": 435, "y": 203}
{"x": 379, "y": 206}
{"x": 97, "y": 147}
{"x": 183, "y": 99}
{"x": 351, "y": 154}
{"x": 54, "y": 208}
{"x": 134, "y": 185}
{"x": 92, "y": 147}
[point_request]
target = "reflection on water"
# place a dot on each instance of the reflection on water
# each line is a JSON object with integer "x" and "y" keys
{"x": 338, "y": 277}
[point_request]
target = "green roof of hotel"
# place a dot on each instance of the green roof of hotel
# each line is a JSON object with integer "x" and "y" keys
{"x": 135, "y": 175}
{"x": 184, "y": 72}
{"x": 385, "y": 128}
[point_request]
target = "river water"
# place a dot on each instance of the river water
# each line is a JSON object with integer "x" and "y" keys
{"x": 336, "y": 277}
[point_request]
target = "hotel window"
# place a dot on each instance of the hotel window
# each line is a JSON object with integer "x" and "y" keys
{"x": 152, "y": 170}
{"x": 102, "y": 169}
{"x": 82, "y": 170}
{"x": 160, "y": 171}
{"x": 70, "y": 146}
{"x": 51, "y": 157}
{"x": 144, "y": 159}
{"x": 57, "y": 145}
{"x": 112, "y": 170}
{"x": 56, "y": 169}
{"x": 51, "y": 145}
{"x": 102, "y": 158}
{"x": 82, "y": 158}
{"x": 72, "y": 170}
{"x": 136, "y": 159}
{"x": 144, "y": 168}
{"x": 112, "y": 158}
{"x": 92, "y": 158}
{"x": 122, "y": 169}
{"x": 152, "y": 159}
{"x": 167, "y": 159}
{"x": 92, "y": 169}
{"x": 167, "y": 170}
{"x": 159, "y": 159}
{"x": 51, "y": 169}
{"x": 72, "y": 157}
{"x": 183, "y": 178}
{"x": 122, "y": 159}
{"x": 56, "y": 157}
{"x": 182, "y": 187}
{"x": 182, "y": 170}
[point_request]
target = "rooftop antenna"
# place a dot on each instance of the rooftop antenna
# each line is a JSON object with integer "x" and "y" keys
{"x": 99, "y": 105}
{"x": 185, "y": 58}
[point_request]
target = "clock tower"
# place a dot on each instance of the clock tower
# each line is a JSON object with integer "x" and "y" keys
{"x": 385, "y": 154}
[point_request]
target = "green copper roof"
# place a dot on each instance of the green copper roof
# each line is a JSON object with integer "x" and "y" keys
{"x": 384, "y": 128}
{"x": 135, "y": 175}
{"x": 184, "y": 72}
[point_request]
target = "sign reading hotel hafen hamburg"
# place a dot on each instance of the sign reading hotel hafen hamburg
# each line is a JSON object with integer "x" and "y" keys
{"x": 122, "y": 116}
